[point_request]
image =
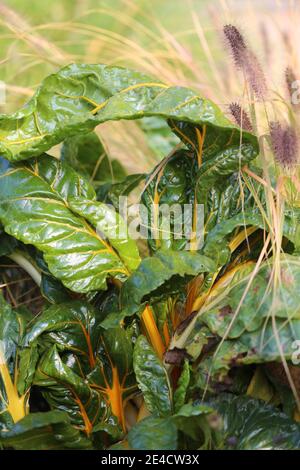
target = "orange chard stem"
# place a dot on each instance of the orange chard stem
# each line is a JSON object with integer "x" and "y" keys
{"x": 153, "y": 332}
{"x": 115, "y": 395}
{"x": 166, "y": 333}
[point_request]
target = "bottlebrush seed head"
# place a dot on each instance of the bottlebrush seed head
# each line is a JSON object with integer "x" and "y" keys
{"x": 255, "y": 76}
{"x": 236, "y": 43}
{"x": 284, "y": 144}
{"x": 240, "y": 116}
{"x": 245, "y": 60}
{"x": 290, "y": 78}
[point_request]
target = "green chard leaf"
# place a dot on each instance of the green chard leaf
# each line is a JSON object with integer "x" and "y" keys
{"x": 153, "y": 433}
{"x": 34, "y": 209}
{"x": 169, "y": 184}
{"x": 182, "y": 386}
{"x": 161, "y": 275}
{"x": 111, "y": 224}
{"x": 71, "y": 326}
{"x": 152, "y": 379}
{"x": 217, "y": 240}
{"x": 191, "y": 420}
{"x": 262, "y": 328}
{"x": 44, "y": 431}
{"x": 84, "y": 370}
{"x": 113, "y": 375}
{"x": 66, "y": 390}
{"x": 79, "y": 97}
{"x": 260, "y": 302}
{"x": 250, "y": 424}
{"x": 16, "y": 371}
{"x": 86, "y": 154}
{"x": 110, "y": 193}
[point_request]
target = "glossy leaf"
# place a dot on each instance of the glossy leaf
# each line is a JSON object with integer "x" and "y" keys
{"x": 111, "y": 193}
{"x": 152, "y": 379}
{"x": 14, "y": 383}
{"x": 44, "y": 431}
{"x": 34, "y": 209}
{"x": 251, "y": 424}
{"x": 111, "y": 224}
{"x": 170, "y": 183}
{"x": 182, "y": 387}
{"x": 53, "y": 290}
{"x": 79, "y": 97}
{"x": 226, "y": 196}
{"x": 153, "y": 433}
{"x": 86, "y": 154}
{"x": 71, "y": 326}
{"x": 161, "y": 275}
{"x": 92, "y": 363}
{"x": 113, "y": 375}
{"x": 64, "y": 390}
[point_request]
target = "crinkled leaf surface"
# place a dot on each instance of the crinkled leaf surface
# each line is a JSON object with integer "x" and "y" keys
{"x": 169, "y": 185}
{"x": 256, "y": 322}
{"x": 34, "y": 209}
{"x": 66, "y": 390}
{"x": 44, "y": 431}
{"x": 71, "y": 326}
{"x": 153, "y": 433}
{"x": 152, "y": 379}
{"x": 113, "y": 374}
{"x": 84, "y": 371}
{"x": 226, "y": 196}
{"x": 182, "y": 387}
{"x": 113, "y": 227}
{"x": 14, "y": 382}
{"x": 217, "y": 241}
{"x": 79, "y": 97}
{"x": 86, "y": 154}
{"x": 161, "y": 275}
{"x": 251, "y": 424}
{"x": 215, "y": 194}
{"x": 260, "y": 302}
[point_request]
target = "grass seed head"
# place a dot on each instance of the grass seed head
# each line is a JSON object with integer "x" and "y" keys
{"x": 240, "y": 116}
{"x": 284, "y": 144}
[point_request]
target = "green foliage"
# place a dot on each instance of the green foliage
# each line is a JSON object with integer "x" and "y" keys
{"x": 44, "y": 431}
{"x": 86, "y": 154}
{"x": 152, "y": 379}
{"x": 250, "y": 424}
{"x": 161, "y": 275}
{"x": 153, "y": 434}
{"x": 130, "y": 336}
{"x": 79, "y": 97}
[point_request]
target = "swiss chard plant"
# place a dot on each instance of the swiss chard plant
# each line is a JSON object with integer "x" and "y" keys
{"x": 174, "y": 341}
